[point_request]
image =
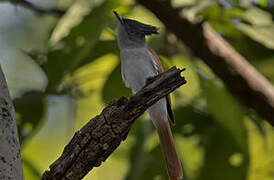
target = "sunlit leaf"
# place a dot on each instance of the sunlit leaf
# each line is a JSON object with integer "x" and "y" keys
{"x": 78, "y": 45}
{"x": 257, "y": 16}
{"x": 261, "y": 34}
{"x": 262, "y": 2}
{"x": 30, "y": 171}
{"x": 248, "y": 30}
{"x": 218, "y": 13}
{"x": 191, "y": 89}
{"x": 179, "y": 3}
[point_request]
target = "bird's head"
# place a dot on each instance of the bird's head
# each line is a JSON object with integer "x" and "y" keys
{"x": 132, "y": 32}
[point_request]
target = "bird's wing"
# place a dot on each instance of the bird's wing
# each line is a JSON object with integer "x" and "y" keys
{"x": 157, "y": 61}
{"x": 160, "y": 70}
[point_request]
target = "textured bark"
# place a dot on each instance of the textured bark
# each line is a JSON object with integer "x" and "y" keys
{"x": 241, "y": 78}
{"x": 10, "y": 157}
{"x": 103, "y": 134}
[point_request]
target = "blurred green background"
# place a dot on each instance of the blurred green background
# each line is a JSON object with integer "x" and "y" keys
{"x": 62, "y": 71}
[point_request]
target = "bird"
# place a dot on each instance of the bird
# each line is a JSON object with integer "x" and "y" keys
{"x": 139, "y": 63}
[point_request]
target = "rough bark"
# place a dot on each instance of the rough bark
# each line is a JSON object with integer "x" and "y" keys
{"x": 10, "y": 157}
{"x": 92, "y": 145}
{"x": 241, "y": 78}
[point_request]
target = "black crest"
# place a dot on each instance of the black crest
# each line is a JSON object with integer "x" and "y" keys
{"x": 136, "y": 27}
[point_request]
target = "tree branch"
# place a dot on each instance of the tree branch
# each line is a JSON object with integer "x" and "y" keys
{"x": 10, "y": 157}
{"x": 103, "y": 134}
{"x": 35, "y": 8}
{"x": 241, "y": 78}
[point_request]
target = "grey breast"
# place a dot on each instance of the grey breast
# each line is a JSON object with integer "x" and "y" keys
{"x": 137, "y": 66}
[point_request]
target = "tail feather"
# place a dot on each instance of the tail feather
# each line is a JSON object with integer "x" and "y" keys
{"x": 173, "y": 163}
{"x": 158, "y": 114}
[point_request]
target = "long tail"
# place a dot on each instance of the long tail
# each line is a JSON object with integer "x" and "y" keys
{"x": 158, "y": 115}
{"x": 173, "y": 163}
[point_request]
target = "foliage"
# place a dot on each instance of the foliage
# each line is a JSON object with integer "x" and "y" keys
{"x": 213, "y": 130}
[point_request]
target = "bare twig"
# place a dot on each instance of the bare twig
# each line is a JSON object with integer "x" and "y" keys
{"x": 103, "y": 134}
{"x": 35, "y": 8}
{"x": 241, "y": 78}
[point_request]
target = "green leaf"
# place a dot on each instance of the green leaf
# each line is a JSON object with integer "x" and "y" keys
{"x": 138, "y": 154}
{"x": 250, "y": 49}
{"x": 262, "y": 3}
{"x": 226, "y": 111}
{"x": 190, "y": 120}
{"x": 246, "y": 46}
{"x": 223, "y": 157}
{"x": 149, "y": 165}
{"x": 29, "y": 110}
{"x": 266, "y": 67}
{"x": 100, "y": 49}
{"x": 258, "y": 122}
{"x": 114, "y": 86}
{"x": 30, "y": 171}
{"x": 219, "y": 14}
{"x": 254, "y": 39}
{"x": 261, "y": 34}
{"x": 78, "y": 45}
{"x": 258, "y": 16}
{"x": 189, "y": 91}
{"x": 155, "y": 165}
{"x": 226, "y": 149}
{"x": 179, "y": 3}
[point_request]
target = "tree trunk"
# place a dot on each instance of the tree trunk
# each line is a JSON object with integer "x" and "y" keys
{"x": 10, "y": 157}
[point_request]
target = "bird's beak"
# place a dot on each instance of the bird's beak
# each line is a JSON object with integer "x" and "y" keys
{"x": 119, "y": 17}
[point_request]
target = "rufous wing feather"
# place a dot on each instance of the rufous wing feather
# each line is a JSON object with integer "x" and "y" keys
{"x": 160, "y": 69}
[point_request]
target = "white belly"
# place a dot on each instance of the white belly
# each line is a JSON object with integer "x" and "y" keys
{"x": 137, "y": 66}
